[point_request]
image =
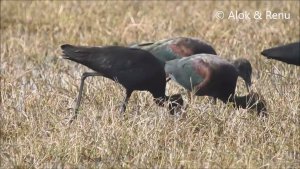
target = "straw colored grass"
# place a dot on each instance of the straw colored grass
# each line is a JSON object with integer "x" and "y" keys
{"x": 38, "y": 89}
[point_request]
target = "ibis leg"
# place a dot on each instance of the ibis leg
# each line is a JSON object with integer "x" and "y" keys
{"x": 83, "y": 77}
{"x": 248, "y": 87}
{"x": 214, "y": 101}
{"x": 190, "y": 96}
{"x": 123, "y": 107}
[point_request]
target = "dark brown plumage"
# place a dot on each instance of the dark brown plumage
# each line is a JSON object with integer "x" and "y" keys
{"x": 289, "y": 53}
{"x": 208, "y": 75}
{"x": 135, "y": 69}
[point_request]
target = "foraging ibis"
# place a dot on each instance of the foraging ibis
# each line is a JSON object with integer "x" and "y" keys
{"x": 134, "y": 69}
{"x": 176, "y": 48}
{"x": 289, "y": 53}
{"x": 208, "y": 75}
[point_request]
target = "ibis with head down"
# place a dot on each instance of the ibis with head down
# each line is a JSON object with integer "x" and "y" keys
{"x": 134, "y": 69}
{"x": 210, "y": 75}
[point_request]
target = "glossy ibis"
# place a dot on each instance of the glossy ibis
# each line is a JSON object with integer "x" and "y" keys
{"x": 176, "y": 48}
{"x": 209, "y": 75}
{"x": 289, "y": 53}
{"x": 134, "y": 69}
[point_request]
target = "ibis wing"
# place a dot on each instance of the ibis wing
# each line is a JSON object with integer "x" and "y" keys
{"x": 150, "y": 45}
{"x": 117, "y": 63}
{"x": 176, "y": 48}
{"x": 184, "y": 72}
{"x": 76, "y": 52}
{"x": 164, "y": 50}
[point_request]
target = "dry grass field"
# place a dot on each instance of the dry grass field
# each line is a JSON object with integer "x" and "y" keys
{"x": 38, "y": 89}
